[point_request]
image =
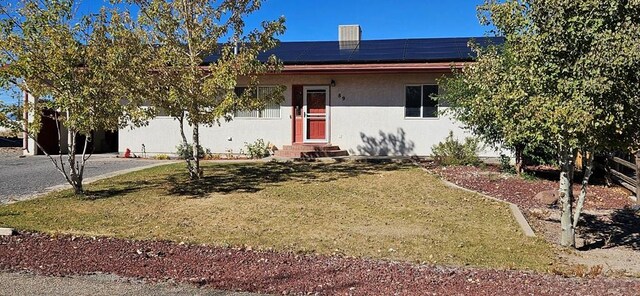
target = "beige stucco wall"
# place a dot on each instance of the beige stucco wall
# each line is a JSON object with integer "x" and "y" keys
{"x": 369, "y": 120}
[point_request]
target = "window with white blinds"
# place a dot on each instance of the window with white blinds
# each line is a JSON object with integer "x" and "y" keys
{"x": 271, "y": 110}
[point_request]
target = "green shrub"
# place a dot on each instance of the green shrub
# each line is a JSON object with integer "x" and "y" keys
{"x": 452, "y": 152}
{"x": 161, "y": 157}
{"x": 230, "y": 155}
{"x": 185, "y": 152}
{"x": 505, "y": 164}
{"x": 540, "y": 154}
{"x": 212, "y": 156}
{"x": 528, "y": 176}
{"x": 257, "y": 149}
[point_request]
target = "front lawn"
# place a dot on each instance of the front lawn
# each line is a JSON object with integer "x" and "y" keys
{"x": 387, "y": 211}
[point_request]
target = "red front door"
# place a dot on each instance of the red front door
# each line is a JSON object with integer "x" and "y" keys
{"x": 315, "y": 114}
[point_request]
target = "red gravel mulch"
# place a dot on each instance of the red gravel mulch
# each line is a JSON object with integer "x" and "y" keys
{"x": 286, "y": 273}
{"x": 521, "y": 192}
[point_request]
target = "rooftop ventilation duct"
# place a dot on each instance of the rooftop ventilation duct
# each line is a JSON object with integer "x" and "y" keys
{"x": 349, "y": 36}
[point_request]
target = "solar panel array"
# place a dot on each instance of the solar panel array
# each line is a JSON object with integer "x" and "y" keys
{"x": 375, "y": 51}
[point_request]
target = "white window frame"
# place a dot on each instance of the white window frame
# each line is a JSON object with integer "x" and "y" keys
{"x": 421, "y": 117}
{"x": 259, "y": 113}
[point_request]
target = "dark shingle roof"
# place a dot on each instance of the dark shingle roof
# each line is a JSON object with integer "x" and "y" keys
{"x": 376, "y": 51}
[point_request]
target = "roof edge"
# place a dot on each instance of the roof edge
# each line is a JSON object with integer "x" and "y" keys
{"x": 372, "y": 68}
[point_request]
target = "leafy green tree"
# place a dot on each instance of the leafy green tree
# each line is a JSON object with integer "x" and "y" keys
{"x": 185, "y": 84}
{"x": 81, "y": 69}
{"x": 568, "y": 74}
{"x": 486, "y": 97}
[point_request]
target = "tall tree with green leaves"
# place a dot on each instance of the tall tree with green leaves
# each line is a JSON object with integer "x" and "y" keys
{"x": 568, "y": 74}
{"x": 487, "y": 96}
{"x": 200, "y": 50}
{"x": 83, "y": 69}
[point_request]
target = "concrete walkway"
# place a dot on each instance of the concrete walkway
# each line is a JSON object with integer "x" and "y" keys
{"x": 96, "y": 285}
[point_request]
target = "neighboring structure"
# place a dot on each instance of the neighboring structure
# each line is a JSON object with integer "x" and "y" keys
{"x": 101, "y": 141}
{"x": 367, "y": 97}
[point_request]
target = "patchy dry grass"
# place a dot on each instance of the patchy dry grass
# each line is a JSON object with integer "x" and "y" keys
{"x": 374, "y": 211}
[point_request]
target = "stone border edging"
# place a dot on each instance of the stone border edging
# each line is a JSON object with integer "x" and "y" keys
{"x": 515, "y": 210}
{"x": 5, "y": 231}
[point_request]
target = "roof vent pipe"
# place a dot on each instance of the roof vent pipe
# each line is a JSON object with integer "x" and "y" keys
{"x": 349, "y": 36}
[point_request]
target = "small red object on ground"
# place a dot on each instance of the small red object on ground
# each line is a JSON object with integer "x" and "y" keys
{"x": 127, "y": 153}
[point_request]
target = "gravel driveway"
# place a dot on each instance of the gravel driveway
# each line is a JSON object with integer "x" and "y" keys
{"x": 23, "y": 177}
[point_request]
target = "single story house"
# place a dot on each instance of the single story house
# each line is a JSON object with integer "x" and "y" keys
{"x": 351, "y": 96}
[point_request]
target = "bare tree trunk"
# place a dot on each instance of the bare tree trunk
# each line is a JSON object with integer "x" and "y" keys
{"x": 519, "y": 160}
{"x": 607, "y": 168}
{"x": 196, "y": 148}
{"x": 185, "y": 144}
{"x": 82, "y": 162}
{"x": 72, "y": 175}
{"x": 59, "y": 166}
{"x": 587, "y": 170}
{"x": 566, "y": 197}
{"x": 73, "y": 178}
{"x": 76, "y": 179}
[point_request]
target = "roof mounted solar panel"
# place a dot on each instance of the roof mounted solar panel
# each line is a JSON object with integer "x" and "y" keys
{"x": 379, "y": 51}
{"x": 376, "y": 51}
{"x": 325, "y": 52}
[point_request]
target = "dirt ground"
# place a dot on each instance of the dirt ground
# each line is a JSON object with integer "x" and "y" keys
{"x": 608, "y": 234}
{"x": 606, "y": 239}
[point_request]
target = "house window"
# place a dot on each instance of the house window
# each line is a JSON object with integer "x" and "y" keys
{"x": 420, "y": 101}
{"x": 271, "y": 110}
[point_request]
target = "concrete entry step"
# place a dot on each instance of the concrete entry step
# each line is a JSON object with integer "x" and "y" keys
{"x": 309, "y": 151}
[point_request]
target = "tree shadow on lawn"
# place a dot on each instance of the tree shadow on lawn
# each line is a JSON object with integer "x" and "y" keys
{"x": 121, "y": 189}
{"x": 253, "y": 177}
{"x": 621, "y": 228}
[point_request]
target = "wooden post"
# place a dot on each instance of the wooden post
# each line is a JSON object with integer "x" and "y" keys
{"x": 607, "y": 168}
{"x": 637, "y": 178}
